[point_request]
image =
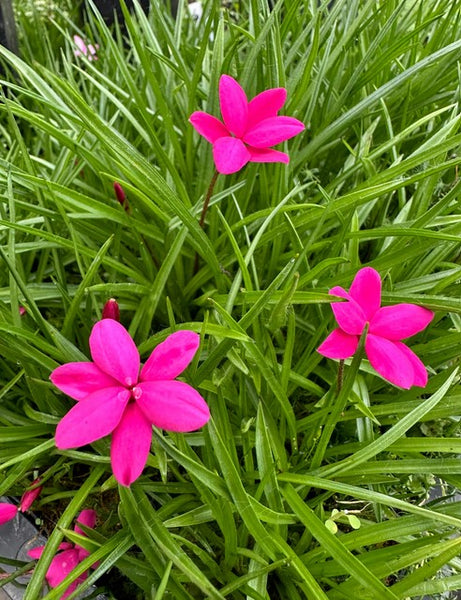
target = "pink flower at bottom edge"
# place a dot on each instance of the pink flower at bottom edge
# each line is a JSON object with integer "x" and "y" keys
{"x": 115, "y": 397}
{"x": 387, "y": 326}
{"x": 249, "y": 128}
{"x": 68, "y": 557}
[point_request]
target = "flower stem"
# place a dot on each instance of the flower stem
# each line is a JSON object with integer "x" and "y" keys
{"x": 204, "y": 211}
{"x": 207, "y": 198}
{"x": 340, "y": 377}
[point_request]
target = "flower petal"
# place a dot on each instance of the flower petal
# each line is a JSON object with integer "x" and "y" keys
{"x": 265, "y": 105}
{"x": 61, "y": 565}
{"x": 210, "y": 127}
{"x": 130, "y": 445}
{"x": 349, "y": 315}
{"x": 265, "y": 155}
{"x": 38, "y": 551}
{"x": 339, "y": 344}
{"x": 419, "y": 370}
{"x": 7, "y": 512}
{"x": 172, "y": 405}
{"x": 230, "y": 155}
{"x": 93, "y": 418}
{"x": 80, "y": 379}
{"x": 366, "y": 290}
{"x": 387, "y": 358}
{"x": 400, "y": 321}
{"x": 114, "y": 351}
{"x": 171, "y": 357}
{"x": 272, "y": 131}
{"x": 80, "y": 44}
{"x": 234, "y": 105}
{"x": 87, "y": 518}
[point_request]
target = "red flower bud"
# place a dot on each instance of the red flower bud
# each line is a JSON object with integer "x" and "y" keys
{"x": 120, "y": 195}
{"x": 111, "y": 310}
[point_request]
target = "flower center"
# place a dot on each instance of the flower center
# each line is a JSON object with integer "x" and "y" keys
{"x": 136, "y": 392}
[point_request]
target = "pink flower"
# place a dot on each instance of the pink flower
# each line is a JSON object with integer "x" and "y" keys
{"x": 114, "y": 397}
{"x": 84, "y": 50}
{"x": 7, "y": 512}
{"x": 72, "y": 554}
{"x": 111, "y": 310}
{"x": 249, "y": 128}
{"x": 392, "y": 359}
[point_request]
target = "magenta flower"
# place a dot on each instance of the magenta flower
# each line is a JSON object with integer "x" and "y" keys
{"x": 85, "y": 50}
{"x": 249, "y": 128}
{"x": 391, "y": 358}
{"x": 72, "y": 554}
{"x": 114, "y": 397}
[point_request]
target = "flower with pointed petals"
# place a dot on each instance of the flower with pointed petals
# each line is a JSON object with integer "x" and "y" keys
{"x": 85, "y": 50}
{"x": 249, "y": 128}
{"x": 115, "y": 397}
{"x": 70, "y": 556}
{"x": 387, "y": 327}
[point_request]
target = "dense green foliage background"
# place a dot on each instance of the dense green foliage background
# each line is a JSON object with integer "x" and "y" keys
{"x": 244, "y": 508}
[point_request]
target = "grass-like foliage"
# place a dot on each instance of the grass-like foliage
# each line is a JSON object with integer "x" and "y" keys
{"x": 293, "y": 490}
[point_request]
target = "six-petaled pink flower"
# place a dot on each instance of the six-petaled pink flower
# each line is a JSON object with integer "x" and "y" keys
{"x": 70, "y": 556}
{"x": 387, "y": 326}
{"x": 249, "y": 128}
{"x": 89, "y": 51}
{"x": 114, "y": 397}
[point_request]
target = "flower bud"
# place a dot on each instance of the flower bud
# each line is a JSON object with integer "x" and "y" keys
{"x": 29, "y": 497}
{"x": 120, "y": 195}
{"x": 111, "y": 310}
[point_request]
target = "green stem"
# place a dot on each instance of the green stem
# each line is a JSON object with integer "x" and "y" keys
{"x": 339, "y": 403}
{"x": 207, "y": 198}
{"x": 340, "y": 377}
{"x": 204, "y": 211}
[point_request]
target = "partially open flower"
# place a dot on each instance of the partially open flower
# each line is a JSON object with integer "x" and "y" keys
{"x": 70, "y": 556}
